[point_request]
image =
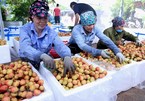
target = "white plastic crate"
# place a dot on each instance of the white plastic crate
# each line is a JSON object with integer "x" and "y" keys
{"x": 47, "y": 95}
{"x": 5, "y": 54}
{"x": 96, "y": 90}
{"x": 65, "y": 38}
{"x": 64, "y": 30}
{"x": 16, "y": 45}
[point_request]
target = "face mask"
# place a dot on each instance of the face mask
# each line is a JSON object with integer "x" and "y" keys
{"x": 119, "y": 30}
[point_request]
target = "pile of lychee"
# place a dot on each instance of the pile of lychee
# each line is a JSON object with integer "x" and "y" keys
{"x": 133, "y": 52}
{"x": 18, "y": 81}
{"x": 84, "y": 73}
{"x": 64, "y": 33}
{"x": 2, "y": 42}
{"x": 112, "y": 61}
{"x": 17, "y": 38}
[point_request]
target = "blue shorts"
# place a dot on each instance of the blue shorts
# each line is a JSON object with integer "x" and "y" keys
{"x": 57, "y": 19}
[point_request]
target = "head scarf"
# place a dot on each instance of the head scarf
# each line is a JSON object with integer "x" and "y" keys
{"x": 39, "y": 8}
{"x": 87, "y": 18}
{"x": 118, "y": 21}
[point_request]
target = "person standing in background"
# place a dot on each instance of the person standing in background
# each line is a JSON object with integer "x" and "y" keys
{"x": 56, "y": 13}
{"x": 80, "y": 8}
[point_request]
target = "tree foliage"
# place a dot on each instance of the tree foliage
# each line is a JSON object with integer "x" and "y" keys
{"x": 20, "y": 8}
{"x": 128, "y": 7}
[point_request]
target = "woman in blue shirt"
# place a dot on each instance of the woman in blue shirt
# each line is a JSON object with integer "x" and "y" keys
{"x": 83, "y": 35}
{"x": 37, "y": 39}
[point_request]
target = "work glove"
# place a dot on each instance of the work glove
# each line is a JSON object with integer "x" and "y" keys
{"x": 68, "y": 66}
{"x": 119, "y": 43}
{"x": 120, "y": 57}
{"x": 48, "y": 61}
{"x": 105, "y": 54}
{"x": 138, "y": 43}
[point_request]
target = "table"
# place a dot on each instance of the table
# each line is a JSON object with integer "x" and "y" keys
{"x": 9, "y": 32}
{"x": 137, "y": 33}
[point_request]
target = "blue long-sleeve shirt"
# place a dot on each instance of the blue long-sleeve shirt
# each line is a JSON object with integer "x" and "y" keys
{"x": 32, "y": 45}
{"x": 84, "y": 40}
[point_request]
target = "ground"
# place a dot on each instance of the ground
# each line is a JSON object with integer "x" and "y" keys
{"x": 133, "y": 94}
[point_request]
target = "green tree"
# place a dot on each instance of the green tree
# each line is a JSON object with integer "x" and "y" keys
{"x": 129, "y": 7}
{"x": 3, "y": 12}
{"x": 20, "y": 9}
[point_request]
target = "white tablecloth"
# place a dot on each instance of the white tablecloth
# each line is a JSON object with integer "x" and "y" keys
{"x": 105, "y": 89}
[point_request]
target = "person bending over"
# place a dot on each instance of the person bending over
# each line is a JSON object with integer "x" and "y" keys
{"x": 83, "y": 35}
{"x": 117, "y": 34}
